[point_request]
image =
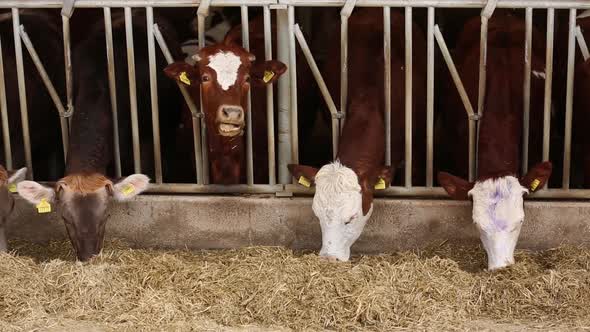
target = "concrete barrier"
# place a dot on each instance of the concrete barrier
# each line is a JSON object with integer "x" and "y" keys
{"x": 236, "y": 221}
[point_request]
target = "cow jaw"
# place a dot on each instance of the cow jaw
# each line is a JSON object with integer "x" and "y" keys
{"x": 338, "y": 205}
{"x": 498, "y": 213}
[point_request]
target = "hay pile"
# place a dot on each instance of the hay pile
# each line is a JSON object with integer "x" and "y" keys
{"x": 440, "y": 288}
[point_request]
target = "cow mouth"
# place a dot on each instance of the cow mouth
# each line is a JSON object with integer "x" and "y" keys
{"x": 230, "y": 129}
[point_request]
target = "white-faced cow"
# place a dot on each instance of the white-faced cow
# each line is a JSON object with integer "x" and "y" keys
{"x": 497, "y": 193}
{"x": 343, "y": 200}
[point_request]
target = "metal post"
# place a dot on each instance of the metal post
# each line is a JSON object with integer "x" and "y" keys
{"x": 22, "y": 91}
{"x": 430, "y": 100}
{"x": 408, "y": 97}
{"x": 387, "y": 81}
{"x": 569, "y": 99}
{"x": 65, "y": 20}
{"x": 132, "y": 89}
{"x": 249, "y": 154}
{"x": 293, "y": 87}
{"x": 582, "y": 44}
{"x": 270, "y": 125}
{"x": 548, "y": 81}
{"x": 344, "y": 15}
{"x": 528, "y": 49}
{"x": 108, "y": 27}
{"x": 283, "y": 114}
{"x": 4, "y": 110}
{"x": 154, "y": 94}
{"x": 202, "y": 14}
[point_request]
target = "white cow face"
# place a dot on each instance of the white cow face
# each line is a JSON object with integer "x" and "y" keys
{"x": 498, "y": 208}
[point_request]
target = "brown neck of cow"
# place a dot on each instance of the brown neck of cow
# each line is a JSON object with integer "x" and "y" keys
{"x": 227, "y": 157}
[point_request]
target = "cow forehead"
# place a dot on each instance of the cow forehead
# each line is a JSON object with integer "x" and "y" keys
{"x": 338, "y": 192}
{"x": 225, "y": 65}
{"x": 498, "y": 203}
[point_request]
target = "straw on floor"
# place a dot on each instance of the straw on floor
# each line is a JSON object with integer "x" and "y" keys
{"x": 444, "y": 287}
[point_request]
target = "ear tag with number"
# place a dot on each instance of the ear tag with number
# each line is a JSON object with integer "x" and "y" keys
{"x": 43, "y": 206}
{"x": 12, "y": 188}
{"x": 535, "y": 184}
{"x": 304, "y": 181}
{"x": 128, "y": 190}
{"x": 380, "y": 184}
{"x": 184, "y": 79}
{"x": 268, "y": 75}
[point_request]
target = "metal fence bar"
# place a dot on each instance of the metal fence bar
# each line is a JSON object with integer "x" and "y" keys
{"x": 569, "y": 99}
{"x": 344, "y": 15}
{"x": 65, "y": 22}
{"x": 129, "y": 3}
{"x": 132, "y": 90}
{"x": 154, "y": 94}
{"x": 528, "y": 51}
{"x": 202, "y": 14}
{"x": 387, "y": 81}
{"x": 430, "y": 99}
{"x": 191, "y": 105}
{"x": 108, "y": 27}
{"x": 408, "y": 97}
{"x": 293, "y": 88}
{"x": 4, "y": 112}
{"x": 548, "y": 80}
{"x": 270, "y": 124}
{"x": 249, "y": 153}
{"x": 22, "y": 91}
{"x": 284, "y": 98}
{"x": 582, "y": 43}
{"x": 486, "y": 13}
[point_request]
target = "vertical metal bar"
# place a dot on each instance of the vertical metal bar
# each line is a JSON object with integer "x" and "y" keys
{"x": 528, "y": 49}
{"x": 270, "y": 125}
{"x": 249, "y": 154}
{"x": 408, "y": 97}
{"x": 293, "y": 87}
{"x": 154, "y": 93}
{"x": 284, "y": 126}
{"x": 203, "y": 125}
{"x": 430, "y": 100}
{"x": 569, "y": 99}
{"x": 108, "y": 27}
{"x": 387, "y": 81}
{"x": 343, "y": 67}
{"x": 132, "y": 89}
{"x": 548, "y": 81}
{"x": 481, "y": 90}
{"x": 65, "y": 22}
{"x": 22, "y": 92}
{"x": 4, "y": 112}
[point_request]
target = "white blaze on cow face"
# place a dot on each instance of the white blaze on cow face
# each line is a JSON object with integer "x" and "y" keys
{"x": 226, "y": 65}
{"x": 338, "y": 205}
{"x": 498, "y": 212}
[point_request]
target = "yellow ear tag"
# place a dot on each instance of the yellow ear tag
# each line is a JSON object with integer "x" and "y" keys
{"x": 43, "y": 206}
{"x": 128, "y": 190}
{"x": 12, "y": 188}
{"x": 535, "y": 184}
{"x": 304, "y": 182}
{"x": 380, "y": 184}
{"x": 184, "y": 79}
{"x": 268, "y": 75}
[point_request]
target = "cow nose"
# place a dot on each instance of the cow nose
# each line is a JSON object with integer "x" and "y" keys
{"x": 232, "y": 113}
{"x": 328, "y": 258}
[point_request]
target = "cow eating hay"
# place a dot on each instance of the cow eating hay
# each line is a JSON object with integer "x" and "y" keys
{"x": 442, "y": 288}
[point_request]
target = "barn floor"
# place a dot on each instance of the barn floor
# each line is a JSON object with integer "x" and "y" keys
{"x": 274, "y": 289}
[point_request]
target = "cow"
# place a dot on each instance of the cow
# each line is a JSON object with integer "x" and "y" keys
{"x": 84, "y": 192}
{"x": 224, "y": 72}
{"x": 344, "y": 188}
{"x": 497, "y": 193}
{"x": 8, "y": 181}
{"x": 44, "y": 29}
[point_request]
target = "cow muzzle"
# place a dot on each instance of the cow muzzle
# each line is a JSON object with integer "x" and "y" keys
{"x": 230, "y": 120}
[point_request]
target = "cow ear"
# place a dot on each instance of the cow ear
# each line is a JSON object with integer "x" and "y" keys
{"x": 304, "y": 174}
{"x": 537, "y": 176}
{"x": 183, "y": 73}
{"x": 383, "y": 177}
{"x": 17, "y": 176}
{"x": 130, "y": 187}
{"x": 267, "y": 72}
{"x": 456, "y": 187}
{"x": 34, "y": 192}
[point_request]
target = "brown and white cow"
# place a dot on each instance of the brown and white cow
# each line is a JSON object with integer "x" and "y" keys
{"x": 497, "y": 193}
{"x": 224, "y": 74}
{"x": 343, "y": 200}
{"x": 8, "y": 181}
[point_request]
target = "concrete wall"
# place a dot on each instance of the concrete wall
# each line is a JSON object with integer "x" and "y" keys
{"x": 235, "y": 221}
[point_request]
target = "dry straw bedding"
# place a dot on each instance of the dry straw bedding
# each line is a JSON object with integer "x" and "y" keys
{"x": 441, "y": 288}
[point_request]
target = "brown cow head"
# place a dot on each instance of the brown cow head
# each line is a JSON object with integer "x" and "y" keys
{"x": 343, "y": 202}
{"x": 83, "y": 199}
{"x": 8, "y": 181}
{"x": 498, "y": 208}
{"x": 224, "y": 74}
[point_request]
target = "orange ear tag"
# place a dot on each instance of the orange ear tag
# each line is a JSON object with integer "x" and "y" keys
{"x": 380, "y": 184}
{"x": 12, "y": 188}
{"x": 268, "y": 75}
{"x": 304, "y": 182}
{"x": 43, "y": 206}
{"x": 184, "y": 79}
{"x": 128, "y": 190}
{"x": 535, "y": 184}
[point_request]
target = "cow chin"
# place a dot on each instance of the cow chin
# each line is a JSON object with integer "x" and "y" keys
{"x": 228, "y": 129}
{"x": 500, "y": 247}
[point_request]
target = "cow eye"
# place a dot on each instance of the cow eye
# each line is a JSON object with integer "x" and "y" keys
{"x": 205, "y": 78}
{"x": 349, "y": 220}
{"x": 247, "y": 79}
